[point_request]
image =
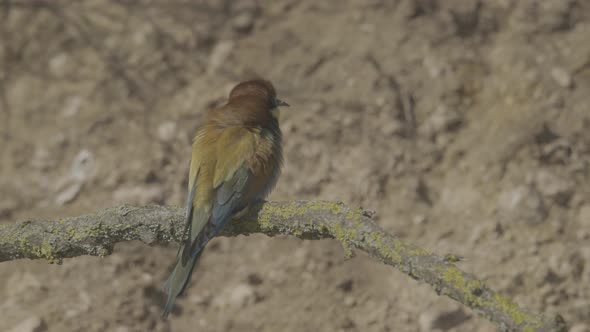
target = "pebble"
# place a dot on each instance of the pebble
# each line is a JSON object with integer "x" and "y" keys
{"x": 167, "y": 131}
{"x": 521, "y": 203}
{"x": 441, "y": 120}
{"x": 349, "y": 301}
{"x": 580, "y": 327}
{"x": 31, "y": 324}
{"x": 555, "y": 187}
{"x": 584, "y": 217}
{"x": 69, "y": 194}
{"x": 419, "y": 219}
{"x": 221, "y": 51}
{"x": 84, "y": 166}
{"x": 42, "y": 159}
{"x": 72, "y": 106}
{"x": 243, "y": 22}
{"x": 562, "y": 77}
{"x": 240, "y": 296}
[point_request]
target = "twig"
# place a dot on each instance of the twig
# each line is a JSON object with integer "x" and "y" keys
{"x": 96, "y": 234}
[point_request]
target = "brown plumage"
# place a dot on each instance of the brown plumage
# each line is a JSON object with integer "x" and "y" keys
{"x": 236, "y": 161}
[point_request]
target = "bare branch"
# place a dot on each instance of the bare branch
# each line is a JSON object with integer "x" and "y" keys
{"x": 96, "y": 234}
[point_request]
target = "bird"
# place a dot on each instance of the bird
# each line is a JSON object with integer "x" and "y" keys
{"x": 236, "y": 162}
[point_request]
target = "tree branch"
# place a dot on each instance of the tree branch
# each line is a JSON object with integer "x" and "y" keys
{"x": 96, "y": 234}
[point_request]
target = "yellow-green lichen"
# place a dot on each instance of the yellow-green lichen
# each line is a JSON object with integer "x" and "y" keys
{"x": 345, "y": 237}
{"x": 453, "y": 276}
{"x": 469, "y": 289}
{"x": 453, "y": 258}
{"x": 356, "y": 216}
{"x": 396, "y": 251}
{"x": 45, "y": 250}
{"x": 294, "y": 210}
{"x": 515, "y": 313}
{"x": 264, "y": 220}
{"x": 387, "y": 252}
{"x": 283, "y": 212}
{"x": 103, "y": 252}
{"x": 298, "y": 232}
{"x": 335, "y": 208}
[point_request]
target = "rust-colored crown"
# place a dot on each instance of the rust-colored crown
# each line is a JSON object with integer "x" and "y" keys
{"x": 250, "y": 104}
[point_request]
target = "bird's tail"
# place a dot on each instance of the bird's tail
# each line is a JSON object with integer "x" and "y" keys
{"x": 178, "y": 280}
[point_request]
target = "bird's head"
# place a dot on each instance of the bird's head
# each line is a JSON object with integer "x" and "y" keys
{"x": 259, "y": 89}
{"x": 254, "y": 102}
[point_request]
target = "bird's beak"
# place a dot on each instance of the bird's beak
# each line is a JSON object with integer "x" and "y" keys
{"x": 280, "y": 103}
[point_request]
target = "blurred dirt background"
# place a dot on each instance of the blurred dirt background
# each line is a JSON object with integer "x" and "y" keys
{"x": 464, "y": 124}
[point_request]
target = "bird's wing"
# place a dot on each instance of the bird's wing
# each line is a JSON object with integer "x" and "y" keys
{"x": 230, "y": 179}
{"x": 228, "y": 201}
{"x": 202, "y": 227}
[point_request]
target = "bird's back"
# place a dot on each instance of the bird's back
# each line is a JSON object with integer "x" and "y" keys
{"x": 220, "y": 150}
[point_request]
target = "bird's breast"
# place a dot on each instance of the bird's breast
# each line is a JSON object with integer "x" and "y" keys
{"x": 265, "y": 163}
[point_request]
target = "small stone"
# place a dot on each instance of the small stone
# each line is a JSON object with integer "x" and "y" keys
{"x": 58, "y": 63}
{"x": 221, "y": 51}
{"x": 346, "y": 285}
{"x": 584, "y": 217}
{"x": 146, "y": 278}
{"x": 477, "y": 233}
{"x": 392, "y": 127}
{"x": 72, "y": 106}
{"x": 69, "y": 194}
{"x": 240, "y": 296}
{"x": 521, "y": 204}
{"x": 562, "y": 77}
{"x": 557, "y": 152}
{"x": 31, "y": 324}
{"x": 243, "y": 22}
{"x": 441, "y": 120}
{"x": 42, "y": 159}
{"x": 254, "y": 279}
{"x": 83, "y": 167}
{"x": 555, "y": 187}
{"x": 419, "y": 219}
{"x": 167, "y": 131}
{"x": 580, "y": 327}
{"x": 349, "y": 301}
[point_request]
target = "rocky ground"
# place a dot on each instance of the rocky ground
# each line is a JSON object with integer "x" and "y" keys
{"x": 464, "y": 124}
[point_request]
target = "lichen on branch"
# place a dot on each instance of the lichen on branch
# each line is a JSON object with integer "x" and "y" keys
{"x": 96, "y": 234}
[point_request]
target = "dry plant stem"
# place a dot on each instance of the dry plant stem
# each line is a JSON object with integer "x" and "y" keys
{"x": 96, "y": 234}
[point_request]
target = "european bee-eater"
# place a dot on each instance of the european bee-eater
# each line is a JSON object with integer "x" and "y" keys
{"x": 236, "y": 161}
